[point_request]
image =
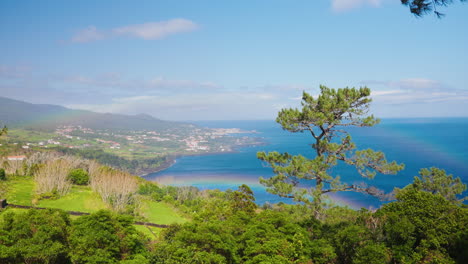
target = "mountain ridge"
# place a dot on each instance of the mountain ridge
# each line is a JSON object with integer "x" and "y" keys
{"x": 20, "y": 114}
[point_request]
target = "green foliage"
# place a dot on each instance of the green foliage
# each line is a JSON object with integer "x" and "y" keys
{"x": 243, "y": 200}
{"x": 48, "y": 236}
{"x": 275, "y": 235}
{"x": 322, "y": 251}
{"x": 436, "y": 181}
{"x": 372, "y": 254}
{"x": 420, "y": 227}
{"x": 348, "y": 241}
{"x": 80, "y": 199}
{"x": 326, "y": 118}
{"x": 152, "y": 190}
{"x": 31, "y": 169}
{"x": 337, "y": 215}
{"x": 269, "y": 237}
{"x": 36, "y": 236}
{"x": 2, "y": 174}
{"x": 104, "y": 237}
{"x": 210, "y": 242}
{"x": 159, "y": 212}
{"x": 79, "y": 177}
{"x": 20, "y": 190}
{"x": 420, "y": 224}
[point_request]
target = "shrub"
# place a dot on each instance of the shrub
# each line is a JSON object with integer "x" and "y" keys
{"x": 34, "y": 236}
{"x": 104, "y": 237}
{"x": 79, "y": 177}
{"x": 2, "y": 174}
{"x": 152, "y": 190}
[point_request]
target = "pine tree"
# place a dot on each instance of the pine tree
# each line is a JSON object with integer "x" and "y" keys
{"x": 326, "y": 119}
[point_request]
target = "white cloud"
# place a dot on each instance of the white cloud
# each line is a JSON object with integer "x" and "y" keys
{"x": 344, "y": 5}
{"x": 118, "y": 83}
{"x": 193, "y": 106}
{"x": 415, "y": 91}
{"x": 160, "y": 82}
{"x": 130, "y": 99}
{"x": 292, "y": 88}
{"x": 157, "y": 30}
{"x": 182, "y": 99}
{"x": 150, "y": 30}
{"x": 87, "y": 35}
{"x": 383, "y": 93}
{"x": 417, "y": 83}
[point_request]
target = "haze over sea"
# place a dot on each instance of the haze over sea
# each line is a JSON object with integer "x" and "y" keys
{"x": 418, "y": 143}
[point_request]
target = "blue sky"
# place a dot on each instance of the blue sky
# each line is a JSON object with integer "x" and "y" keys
{"x": 223, "y": 60}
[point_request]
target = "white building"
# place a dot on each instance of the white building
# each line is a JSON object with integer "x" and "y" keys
{"x": 22, "y": 157}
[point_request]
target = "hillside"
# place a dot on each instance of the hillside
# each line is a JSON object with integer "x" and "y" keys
{"x": 19, "y": 114}
{"x": 139, "y": 144}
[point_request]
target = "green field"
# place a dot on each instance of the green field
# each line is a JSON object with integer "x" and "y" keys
{"x": 28, "y": 135}
{"x": 80, "y": 198}
{"x": 151, "y": 232}
{"x": 20, "y": 191}
{"x": 160, "y": 213}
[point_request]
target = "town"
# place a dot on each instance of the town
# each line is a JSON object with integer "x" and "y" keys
{"x": 137, "y": 143}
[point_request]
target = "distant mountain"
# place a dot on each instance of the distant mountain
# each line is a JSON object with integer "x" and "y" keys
{"x": 14, "y": 113}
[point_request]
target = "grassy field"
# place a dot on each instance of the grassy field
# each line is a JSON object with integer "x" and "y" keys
{"x": 80, "y": 198}
{"x": 160, "y": 213}
{"x": 20, "y": 190}
{"x": 152, "y": 233}
{"x": 28, "y": 135}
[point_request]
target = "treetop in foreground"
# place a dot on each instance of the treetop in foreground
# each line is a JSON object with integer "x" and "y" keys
{"x": 423, "y": 7}
{"x": 326, "y": 118}
{"x": 436, "y": 181}
{"x": 331, "y": 108}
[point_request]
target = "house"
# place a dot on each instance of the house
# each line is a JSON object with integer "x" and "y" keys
{"x": 22, "y": 157}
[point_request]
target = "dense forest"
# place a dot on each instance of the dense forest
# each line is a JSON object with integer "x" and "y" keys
{"x": 228, "y": 227}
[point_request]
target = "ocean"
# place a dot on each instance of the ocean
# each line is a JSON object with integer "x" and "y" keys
{"x": 418, "y": 143}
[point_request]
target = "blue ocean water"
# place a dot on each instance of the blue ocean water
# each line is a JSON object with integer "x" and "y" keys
{"x": 418, "y": 143}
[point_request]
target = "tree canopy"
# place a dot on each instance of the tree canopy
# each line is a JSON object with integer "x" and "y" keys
{"x": 326, "y": 119}
{"x": 436, "y": 181}
{"x": 421, "y": 227}
{"x": 36, "y": 236}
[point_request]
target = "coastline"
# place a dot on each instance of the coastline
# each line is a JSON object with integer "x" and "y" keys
{"x": 172, "y": 159}
{"x": 429, "y": 149}
{"x": 165, "y": 165}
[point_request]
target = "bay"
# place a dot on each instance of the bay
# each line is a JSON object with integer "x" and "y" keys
{"x": 418, "y": 143}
